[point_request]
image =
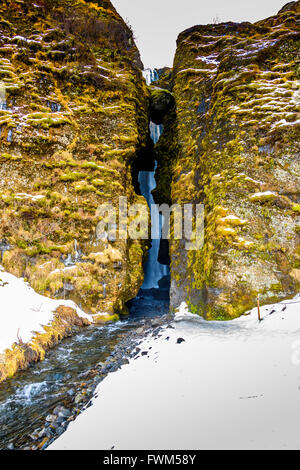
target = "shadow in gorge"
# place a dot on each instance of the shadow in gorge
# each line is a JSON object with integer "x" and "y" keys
{"x": 151, "y": 302}
{"x": 154, "y": 296}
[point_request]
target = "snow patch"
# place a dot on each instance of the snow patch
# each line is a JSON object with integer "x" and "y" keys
{"x": 24, "y": 310}
{"x": 228, "y": 385}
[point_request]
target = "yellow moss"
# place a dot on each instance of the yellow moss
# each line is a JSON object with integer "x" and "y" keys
{"x": 226, "y": 231}
{"x": 296, "y": 207}
{"x": 231, "y": 220}
{"x": 100, "y": 258}
{"x": 105, "y": 318}
{"x": 14, "y": 261}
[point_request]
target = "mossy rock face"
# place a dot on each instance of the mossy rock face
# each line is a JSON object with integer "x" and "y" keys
{"x": 161, "y": 102}
{"x": 164, "y": 79}
{"x": 232, "y": 143}
{"x": 73, "y": 118}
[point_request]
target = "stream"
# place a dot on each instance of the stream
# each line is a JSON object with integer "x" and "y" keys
{"x": 28, "y": 397}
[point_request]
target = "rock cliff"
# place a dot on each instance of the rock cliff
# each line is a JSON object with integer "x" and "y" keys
{"x": 231, "y": 144}
{"x": 74, "y": 114}
{"x": 73, "y": 118}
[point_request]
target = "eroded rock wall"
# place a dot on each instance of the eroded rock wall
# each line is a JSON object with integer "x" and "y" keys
{"x": 233, "y": 144}
{"x": 73, "y": 119}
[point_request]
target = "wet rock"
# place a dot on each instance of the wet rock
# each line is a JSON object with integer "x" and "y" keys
{"x": 84, "y": 375}
{"x": 60, "y": 420}
{"x": 42, "y": 433}
{"x": 50, "y": 432}
{"x": 156, "y": 331}
{"x": 61, "y": 412}
{"x": 50, "y": 418}
{"x": 53, "y": 427}
{"x": 60, "y": 431}
{"x": 101, "y": 365}
{"x": 42, "y": 444}
{"x": 79, "y": 397}
{"x": 56, "y": 377}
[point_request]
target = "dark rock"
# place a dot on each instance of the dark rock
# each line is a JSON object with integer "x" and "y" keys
{"x": 163, "y": 255}
{"x": 161, "y": 102}
{"x": 60, "y": 431}
{"x": 50, "y": 432}
{"x": 101, "y": 365}
{"x": 180, "y": 340}
{"x": 60, "y": 420}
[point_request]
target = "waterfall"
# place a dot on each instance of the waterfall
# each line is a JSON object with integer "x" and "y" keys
{"x": 154, "y": 271}
{"x": 150, "y": 75}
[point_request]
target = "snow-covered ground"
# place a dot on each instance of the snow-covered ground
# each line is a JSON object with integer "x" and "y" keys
{"x": 229, "y": 385}
{"x": 21, "y": 308}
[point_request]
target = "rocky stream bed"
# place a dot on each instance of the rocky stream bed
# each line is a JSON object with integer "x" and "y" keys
{"x": 37, "y": 405}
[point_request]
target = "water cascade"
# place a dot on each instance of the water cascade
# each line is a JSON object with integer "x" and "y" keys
{"x": 154, "y": 271}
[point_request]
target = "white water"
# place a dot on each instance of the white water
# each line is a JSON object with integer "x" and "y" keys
{"x": 150, "y": 75}
{"x": 154, "y": 271}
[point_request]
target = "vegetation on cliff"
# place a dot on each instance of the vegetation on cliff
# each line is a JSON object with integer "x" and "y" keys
{"x": 74, "y": 113}
{"x": 231, "y": 143}
{"x": 73, "y": 118}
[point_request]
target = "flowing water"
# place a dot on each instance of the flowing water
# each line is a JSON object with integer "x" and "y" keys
{"x": 154, "y": 271}
{"x": 27, "y": 398}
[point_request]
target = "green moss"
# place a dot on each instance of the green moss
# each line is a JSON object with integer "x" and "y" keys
{"x": 98, "y": 318}
{"x": 72, "y": 176}
{"x": 8, "y": 156}
{"x": 276, "y": 287}
{"x": 83, "y": 187}
{"x": 296, "y": 207}
{"x": 46, "y": 120}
